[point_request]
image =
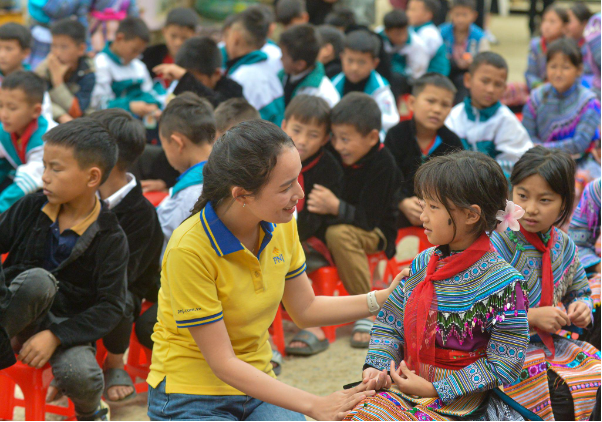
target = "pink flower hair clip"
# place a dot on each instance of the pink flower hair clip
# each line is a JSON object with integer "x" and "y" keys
{"x": 509, "y": 217}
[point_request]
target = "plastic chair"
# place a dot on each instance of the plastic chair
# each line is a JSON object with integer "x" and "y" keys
{"x": 423, "y": 243}
{"x": 326, "y": 282}
{"x": 155, "y": 198}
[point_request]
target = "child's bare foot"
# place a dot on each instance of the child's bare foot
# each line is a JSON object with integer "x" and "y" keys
{"x": 118, "y": 383}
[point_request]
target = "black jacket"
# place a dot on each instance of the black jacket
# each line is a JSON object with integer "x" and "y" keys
{"x": 92, "y": 281}
{"x": 328, "y": 173}
{"x": 138, "y": 219}
{"x": 333, "y": 68}
{"x": 367, "y": 196}
{"x": 153, "y": 56}
{"x": 7, "y": 356}
{"x": 225, "y": 89}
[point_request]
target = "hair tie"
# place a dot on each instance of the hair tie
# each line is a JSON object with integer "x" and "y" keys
{"x": 509, "y": 217}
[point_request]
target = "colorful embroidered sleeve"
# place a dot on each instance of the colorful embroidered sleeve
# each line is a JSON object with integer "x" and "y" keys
{"x": 506, "y": 352}
{"x": 585, "y": 225}
{"x": 578, "y": 289}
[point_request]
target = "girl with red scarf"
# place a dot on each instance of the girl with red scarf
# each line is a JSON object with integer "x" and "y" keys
{"x": 457, "y": 327}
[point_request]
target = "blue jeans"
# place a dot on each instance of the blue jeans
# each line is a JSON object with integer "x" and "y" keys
{"x": 189, "y": 407}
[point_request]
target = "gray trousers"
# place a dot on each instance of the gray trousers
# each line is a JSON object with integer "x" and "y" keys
{"x": 75, "y": 369}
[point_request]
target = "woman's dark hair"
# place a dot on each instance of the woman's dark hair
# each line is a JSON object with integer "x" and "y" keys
{"x": 581, "y": 11}
{"x": 244, "y": 156}
{"x": 462, "y": 179}
{"x": 556, "y": 167}
{"x": 567, "y": 47}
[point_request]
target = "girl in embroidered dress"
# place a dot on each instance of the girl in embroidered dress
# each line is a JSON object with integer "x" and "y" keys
{"x": 456, "y": 328}
{"x": 560, "y": 376}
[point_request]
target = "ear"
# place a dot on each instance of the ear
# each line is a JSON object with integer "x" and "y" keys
{"x": 410, "y": 103}
{"x": 283, "y": 125}
{"x": 178, "y": 138}
{"x": 473, "y": 214}
{"x": 26, "y": 52}
{"x": 120, "y": 36}
{"x": 376, "y": 62}
{"x": 301, "y": 65}
{"x": 94, "y": 177}
{"x": 305, "y": 17}
{"x": 240, "y": 195}
{"x": 81, "y": 49}
{"x": 37, "y": 110}
{"x": 374, "y": 137}
{"x": 467, "y": 80}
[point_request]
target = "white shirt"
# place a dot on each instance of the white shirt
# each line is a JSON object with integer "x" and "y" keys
{"x": 114, "y": 200}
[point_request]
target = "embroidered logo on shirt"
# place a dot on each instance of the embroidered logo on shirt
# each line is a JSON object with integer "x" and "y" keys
{"x": 277, "y": 256}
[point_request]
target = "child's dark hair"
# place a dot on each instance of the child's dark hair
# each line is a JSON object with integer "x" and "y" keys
{"x": 490, "y": 58}
{"x": 182, "y": 16}
{"x": 91, "y": 142}
{"x": 191, "y": 116}
{"x": 71, "y": 28}
{"x": 244, "y": 156}
{"x": 470, "y": 4}
{"x": 568, "y": 47}
{"x": 560, "y": 12}
{"x": 200, "y": 54}
{"x": 330, "y": 35}
{"x": 309, "y": 109}
{"x": 359, "y": 110}
{"x": 233, "y": 111}
{"x": 254, "y": 24}
{"x": 431, "y": 5}
{"x": 556, "y": 167}
{"x": 462, "y": 179}
{"x": 31, "y": 84}
{"x": 287, "y": 10}
{"x": 302, "y": 42}
{"x": 128, "y": 132}
{"x": 581, "y": 11}
{"x": 12, "y": 31}
{"x": 434, "y": 79}
{"x": 362, "y": 41}
{"x": 396, "y": 18}
{"x": 132, "y": 27}
{"x": 343, "y": 17}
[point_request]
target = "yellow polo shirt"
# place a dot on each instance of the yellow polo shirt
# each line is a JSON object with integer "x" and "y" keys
{"x": 207, "y": 275}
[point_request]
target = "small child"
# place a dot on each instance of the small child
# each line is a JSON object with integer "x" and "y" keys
{"x": 15, "y": 47}
{"x": 579, "y": 15}
{"x": 68, "y": 71}
{"x": 421, "y": 14}
{"x": 481, "y": 121}
{"x": 409, "y": 55}
{"x": 553, "y": 26}
{"x": 456, "y": 329}
{"x": 463, "y": 40}
{"x": 122, "y": 194}
{"x": 232, "y": 112}
{"x": 198, "y": 69}
{"x": 187, "y": 132}
{"x": 561, "y": 113}
{"x": 413, "y": 142}
{"x": 332, "y": 42}
{"x": 360, "y": 58}
{"x": 66, "y": 265}
{"x": 543, "y": 184}
{"x": 302, "y": 73}
{"x": 249, "y": 66}
{"x": 364, "y": 213}
{"x": 21, "y": 145}
{"x": 180, "y": 25}
{"x": 122, "y": 80}
{"x": 291, "y": 12}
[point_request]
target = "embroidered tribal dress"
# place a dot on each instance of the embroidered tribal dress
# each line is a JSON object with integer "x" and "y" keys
{"x": 481, "y": 319}
{"x": 576, "y": 362}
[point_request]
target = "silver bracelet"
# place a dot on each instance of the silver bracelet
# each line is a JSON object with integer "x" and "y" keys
{"x": 373, "y": 306}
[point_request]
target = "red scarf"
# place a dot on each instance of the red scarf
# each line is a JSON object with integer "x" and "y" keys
{"x": 547, "y": 278}
{"x": 301, "y": 180}
{"x": 421, "y": 309}
{"x": 21, "y": 147}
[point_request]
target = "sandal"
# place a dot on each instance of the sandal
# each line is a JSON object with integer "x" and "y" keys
{"x": 276, "y": 362}
{"x": 117, "y": 377}
{"x": 361, "y": 326}
{"x": 313, "y": 345}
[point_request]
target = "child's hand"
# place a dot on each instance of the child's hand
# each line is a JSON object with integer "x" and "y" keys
{"x": 38, "y": 349}
{"x": 322, "y": 201}
{"x": 153, "y": 186}
{"x": 579, "y": 314}
{"x": 409, "y": 383}
{"x": 170, "y": 71}
{"x": 382, "y": 379}
{"x": 141, "y": 109}
{"x": 547, "y": 318}
{"x": 57, "y": 69}
{"x": 412, "y": 210}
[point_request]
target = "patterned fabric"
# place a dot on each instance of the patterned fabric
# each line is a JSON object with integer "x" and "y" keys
{"x": 577, "y": 363}
{"x": 480, "y": 308}
{"x": 585, "y": 225}
{"x": 536, "y": 64}
{"x": 568, "y": 121}
{"x": 592, "y": 40}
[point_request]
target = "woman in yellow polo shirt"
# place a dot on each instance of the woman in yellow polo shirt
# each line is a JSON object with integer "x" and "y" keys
{"x": 225, "y": 271}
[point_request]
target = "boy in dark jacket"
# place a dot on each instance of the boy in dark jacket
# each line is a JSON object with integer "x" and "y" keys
{"x": 413, "y": 142}
{"x": 137, "y": 217}
{"x": 65, "y": 236}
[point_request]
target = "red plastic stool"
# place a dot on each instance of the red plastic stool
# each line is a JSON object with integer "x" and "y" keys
{"x": 326, "y": 282}
{"x": 34, "y": 384}
{"x": 155, "y": 197}
{"x": 423, "y": 242}
{"x": 139, "y": 357}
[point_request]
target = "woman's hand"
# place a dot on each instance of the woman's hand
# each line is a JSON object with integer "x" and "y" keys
{"x": 382, "y": 379}
{"x": 382, "y": 295}
{"x": 409, "y": 383}
{"x": 336, "y": 406}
